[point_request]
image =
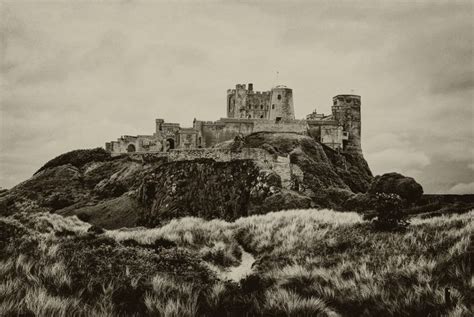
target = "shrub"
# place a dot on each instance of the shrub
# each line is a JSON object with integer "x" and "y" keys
{"x": 389, "y": 212}
{"x": 84, "y": 216}
{"x": 358, "y": 202}
{"x": 95, "y": 229}
{"x": 394, "y": 183}
{"x": 58, "y": 201}
{"x": 77, "y": 158}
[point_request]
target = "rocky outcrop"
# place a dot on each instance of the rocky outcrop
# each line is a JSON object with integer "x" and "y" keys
{"x": 100, "y": 190}
{"x": 322, "y": 167}
{"x": 148, "y": 189}
{"x": 394, "y": 183}
{"x": 202, "y": 188}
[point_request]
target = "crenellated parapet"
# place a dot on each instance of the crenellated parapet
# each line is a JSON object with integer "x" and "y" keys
{"x": 250, "y": 111}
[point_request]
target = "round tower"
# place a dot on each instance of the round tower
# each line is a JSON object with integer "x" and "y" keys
{"x": 281, "y": 104}
{"x": 346, "y": 111}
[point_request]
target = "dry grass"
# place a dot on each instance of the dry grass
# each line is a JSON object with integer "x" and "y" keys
{"x": 309, "y": 262}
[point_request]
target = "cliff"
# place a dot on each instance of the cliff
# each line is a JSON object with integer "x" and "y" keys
{"x": 145, "y": 189}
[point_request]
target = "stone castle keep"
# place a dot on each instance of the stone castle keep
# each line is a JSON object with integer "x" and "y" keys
{"x": 250, "y": 111}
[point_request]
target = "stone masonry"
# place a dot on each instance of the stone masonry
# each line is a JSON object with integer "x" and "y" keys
{"x": 250, "y": 111}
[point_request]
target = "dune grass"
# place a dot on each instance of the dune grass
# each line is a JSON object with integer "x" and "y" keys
{"x": 309, "y": 263}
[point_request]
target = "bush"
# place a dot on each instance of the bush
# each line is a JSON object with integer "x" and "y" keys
{"x": 394, "y": 183}
{"x": 58, "y": 201}
{"x": 77, "y": 158}
{"x": 389, "y": 213}
{"x": 358, "y": 202}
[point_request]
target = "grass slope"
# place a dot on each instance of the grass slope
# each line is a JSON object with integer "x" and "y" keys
{"x": 309, "y": 263}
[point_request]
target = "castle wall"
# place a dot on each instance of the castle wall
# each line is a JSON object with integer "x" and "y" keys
{"x": 257, "y": 105}
{"x": 247, "y": 104}
{"x": 220, "y": 155}
{"x": 332, "y": 136}
{"x": 250, "y": 111}
{"x": 141, "y": 143}
{"x": 296, "y": 126}
{"x": 187, "y": 138}
{"x": 224, "y": 130}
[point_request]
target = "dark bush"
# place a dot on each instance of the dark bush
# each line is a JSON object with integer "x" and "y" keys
{"x": 394, "y": 183}
{"x": 389, "y": 212}
{"x": 58, "y": 201}
{"x": 164, "y": 243}
{"x": 269, "y": 148}
{"x": 254, "y": 284}
{"x": 84, "y": 216}
{"x": 111, "y": 189}
{"x": 95, "y": 229}
{"x": 359, "y": 202}
{"x": 78, "y": 158}
{"x": 64, "y": 233}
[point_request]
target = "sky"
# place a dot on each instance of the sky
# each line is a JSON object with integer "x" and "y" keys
{"x": 78, "y": 74}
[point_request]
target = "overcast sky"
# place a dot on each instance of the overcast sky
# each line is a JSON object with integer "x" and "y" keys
{"x": 75, "y": 75}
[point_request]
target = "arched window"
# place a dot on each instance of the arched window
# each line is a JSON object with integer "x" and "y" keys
{"x": 273, "y": 106}
{"x": 131, "y": 148}
{"x": 261, "y": 117}
{"x": 261, "y": 107}
{"x": 279, "y": 97}
{"x": 250, "y": 116}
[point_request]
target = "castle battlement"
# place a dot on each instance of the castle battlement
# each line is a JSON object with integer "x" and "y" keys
{"x": 250, "y": 111}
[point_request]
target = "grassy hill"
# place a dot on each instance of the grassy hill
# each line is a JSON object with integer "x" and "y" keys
{"x": 308, "y": 262}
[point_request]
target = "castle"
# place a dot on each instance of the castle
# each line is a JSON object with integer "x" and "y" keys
{"x": 250, "y": 111}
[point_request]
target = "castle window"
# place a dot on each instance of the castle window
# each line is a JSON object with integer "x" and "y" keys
{"x": 273, "y": 106}
{"x": 250, "y": 116}
{"x": 261, "y": 117}
{"x": 279, "y": 97}
{"x": 261, "y": 107}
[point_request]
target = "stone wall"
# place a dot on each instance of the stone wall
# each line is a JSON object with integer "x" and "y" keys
{"x": 296, "y": 126}
{"x": 220, "y": 155}
{"x": 224, "y": 130}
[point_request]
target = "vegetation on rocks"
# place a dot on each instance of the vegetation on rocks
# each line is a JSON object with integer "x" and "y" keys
{"x": 77, "y": 158}
{"x": 389, "y": 212}
{"x": 394, "y": 183}
{"x": 309, "y": 262}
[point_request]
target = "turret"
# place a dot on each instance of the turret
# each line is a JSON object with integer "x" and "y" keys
{"x": 346, "y": 111}
{"x": 231, "y": 111}
{"x": 159, "y": 125}
{"x": 281, "y": 104}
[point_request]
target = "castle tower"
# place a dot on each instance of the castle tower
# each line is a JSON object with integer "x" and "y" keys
{"x": 231, "y": 111}
{"x": 281, "y": 105}
{"x": 159, "y": 125}
{"x": 346, "y": 111}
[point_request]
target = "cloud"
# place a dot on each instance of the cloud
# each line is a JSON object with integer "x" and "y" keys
{"x": 74, "y": 75}
{"x": 462, "y": 189}
{"x": 398, "y": 160}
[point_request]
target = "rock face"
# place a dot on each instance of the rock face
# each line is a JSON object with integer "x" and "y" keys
{"x": 86, "y": 183}
{"x": 322, "y": 167}
{"x": 202, "y": 188}
{"x": 143, "y": 189}
{"x": 405, "y": 187}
